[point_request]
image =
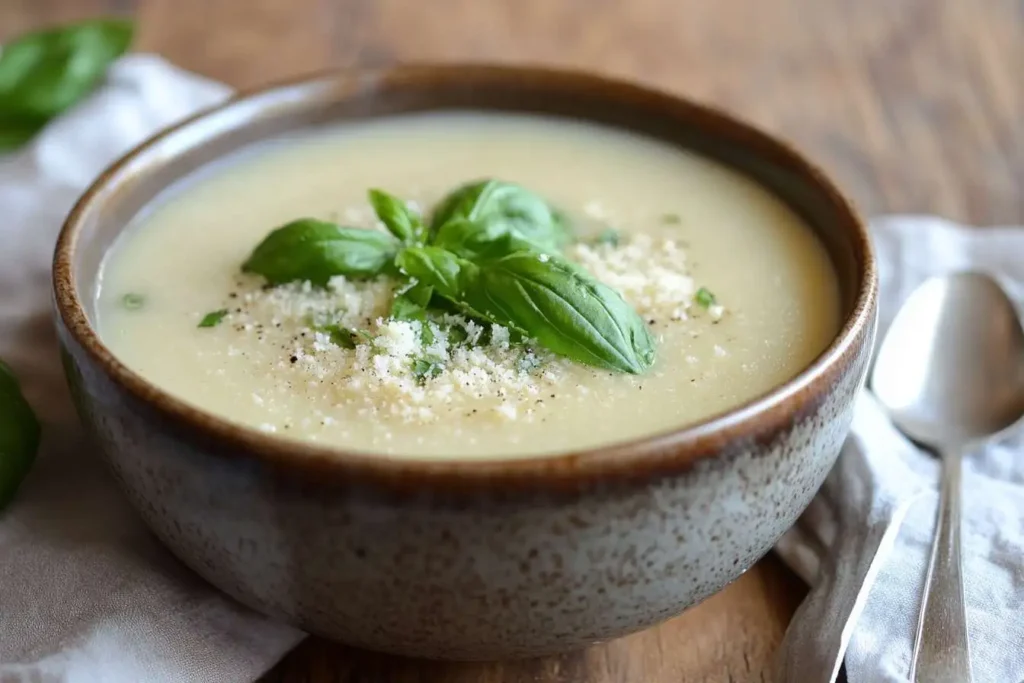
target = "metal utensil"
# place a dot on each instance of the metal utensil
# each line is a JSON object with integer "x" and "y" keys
{"x": 950, "y": 372}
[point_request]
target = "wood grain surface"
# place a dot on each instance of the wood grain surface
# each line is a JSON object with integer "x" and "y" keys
{"x": 913, "y": 105}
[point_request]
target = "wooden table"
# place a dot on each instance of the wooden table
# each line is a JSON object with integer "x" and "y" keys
{"x": 914, "y": 105}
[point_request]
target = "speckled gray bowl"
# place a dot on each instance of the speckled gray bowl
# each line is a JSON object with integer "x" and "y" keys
{"x": 465, "y": 560}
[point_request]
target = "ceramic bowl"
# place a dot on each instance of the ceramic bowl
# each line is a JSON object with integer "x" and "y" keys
{"x": 460, "y": 559}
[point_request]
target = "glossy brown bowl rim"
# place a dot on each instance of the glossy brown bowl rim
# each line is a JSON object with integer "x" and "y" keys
{"x": 759, "y": 420}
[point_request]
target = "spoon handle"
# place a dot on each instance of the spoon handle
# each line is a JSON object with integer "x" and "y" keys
{"x": 941, "y": 650}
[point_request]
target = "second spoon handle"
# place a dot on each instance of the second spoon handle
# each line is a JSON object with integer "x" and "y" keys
{"x": 941, "y": 650}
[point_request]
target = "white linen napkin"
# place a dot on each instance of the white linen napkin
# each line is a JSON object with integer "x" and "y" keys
{"x": 882, "y": 496}
{"x": 87, "y": 595}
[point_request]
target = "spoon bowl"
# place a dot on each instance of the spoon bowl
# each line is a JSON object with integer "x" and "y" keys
{"x": 951, "y": 368}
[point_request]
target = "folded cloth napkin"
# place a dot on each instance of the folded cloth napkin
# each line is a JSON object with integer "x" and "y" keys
{"x": 87, "y": 595}
{"x": 873, "y": 519}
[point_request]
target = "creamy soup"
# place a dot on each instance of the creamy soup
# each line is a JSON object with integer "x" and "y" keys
{"x": 736, "y": 292}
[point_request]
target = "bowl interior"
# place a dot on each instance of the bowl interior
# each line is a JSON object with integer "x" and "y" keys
{"x": 136, "y": 181}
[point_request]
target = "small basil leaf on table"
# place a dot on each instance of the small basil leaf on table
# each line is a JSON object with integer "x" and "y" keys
{"x": 19, "y": 435}
{"x": 397, "y": 217}
{"x": 314, "y": 250}
{"x": 45, "y": 72}
{"x": 523, "y": 214}
{"x": 551, "y": 300}
{"x": 15, "y": 132}
{"x": 213, "y": 318}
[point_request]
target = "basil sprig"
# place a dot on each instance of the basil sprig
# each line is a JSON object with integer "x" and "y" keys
{"x": 549, "y": 299}
{"x": 19, "y": 435}
{"x": 314, "y": 250}
{"x": 491, "y": 252}
{"x": 45, "y": 72}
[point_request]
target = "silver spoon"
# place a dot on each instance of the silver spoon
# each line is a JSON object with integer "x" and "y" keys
{"x": 950, "y": 372}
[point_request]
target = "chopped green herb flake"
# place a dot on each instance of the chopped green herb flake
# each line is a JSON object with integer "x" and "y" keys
{"x": 704, "y": 297}
{"x": 609, "y": 236}
{"x": 213, "y": 318}
{"x": 426, "y": 368}
{"x": 457, "y": 335}
{"x": 132, "y": 301}
{"x": 671, "y": 219}
{"x": 340, "y": 336}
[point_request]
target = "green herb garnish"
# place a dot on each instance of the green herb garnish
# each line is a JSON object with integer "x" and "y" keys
{"x": 671, "y": 219}
{"x": 19, "y": 435}
{"x": 213, "y": 318}
{"x": 397, "y": 217}
{"x": 45, "y": 72}
{"x": 132, "y": 301}
{"x": 340, "y": 336}
{"x": 491, "y": 254}
{"x": 704, "y": 297}
{"x": 313, "y": 250}
{"x": 426, "y": 368}
{"x": 506, "y": 209}
{"x": 544, "y": 298}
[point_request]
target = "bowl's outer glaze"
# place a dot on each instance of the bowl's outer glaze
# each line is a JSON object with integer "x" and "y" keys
{"x": 467, "y": 560}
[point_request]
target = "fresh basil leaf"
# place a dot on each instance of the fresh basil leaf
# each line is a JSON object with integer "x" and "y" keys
{"x": 45, "y": 72}
{"x": 484, "y": 239}
{"x": 19, "y": 435}
{"x": 543, "y": 297}
{"x": 426, "y": 368}
{"x": 213, "y": 318}
{"x": 518, "y": 212}
{"x": 313, "y": 250}
{"x": 397, "y": 217}
{"x": 437, "y": 268}
{"x": 704, "y": 297}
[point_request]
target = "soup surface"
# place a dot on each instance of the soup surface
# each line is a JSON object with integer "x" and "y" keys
{"x": 737, "y": 293}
